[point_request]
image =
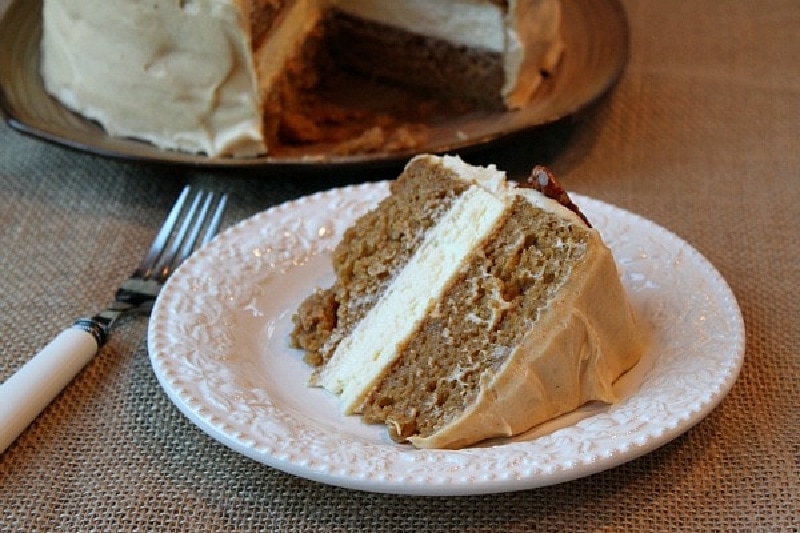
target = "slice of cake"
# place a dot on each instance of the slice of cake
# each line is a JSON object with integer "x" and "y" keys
{"x": 216, "y": 76}
{"x": 466, "y": 307}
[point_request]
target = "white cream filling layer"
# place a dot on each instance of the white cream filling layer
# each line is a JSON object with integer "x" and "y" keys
{"x": 360, "y": 359}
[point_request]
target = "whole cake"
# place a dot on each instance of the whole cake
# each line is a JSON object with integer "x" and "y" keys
{"x": 467, "y": 307}
{"x": 215, "y": 76}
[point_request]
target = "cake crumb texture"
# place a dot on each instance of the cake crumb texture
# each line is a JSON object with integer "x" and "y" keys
{"x": 486, "y": 312}
{"x": 371, "y": 251}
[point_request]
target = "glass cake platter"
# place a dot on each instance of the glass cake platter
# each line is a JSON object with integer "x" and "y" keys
{"x": 596, "y": 50}
{"x": 219, "y": 345}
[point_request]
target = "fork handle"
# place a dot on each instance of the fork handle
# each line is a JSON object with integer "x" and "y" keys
{"x": 26, "y": 393}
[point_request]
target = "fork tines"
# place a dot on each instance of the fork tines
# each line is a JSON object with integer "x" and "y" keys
{"x": 188, "y": 226}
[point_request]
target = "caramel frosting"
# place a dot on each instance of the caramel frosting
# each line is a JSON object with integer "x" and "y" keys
{"x": 177, "y": 74}
{"x": 533, "y": 45}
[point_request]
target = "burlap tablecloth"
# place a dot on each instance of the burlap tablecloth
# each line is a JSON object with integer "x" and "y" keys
{"x": 702, "y": 136}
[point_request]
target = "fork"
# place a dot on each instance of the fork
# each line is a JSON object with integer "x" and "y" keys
{"x": 191, "y": 223}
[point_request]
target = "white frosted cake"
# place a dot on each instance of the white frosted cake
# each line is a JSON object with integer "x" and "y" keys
{"x": 466, "y": 307}
{"x": 206, "y": 76}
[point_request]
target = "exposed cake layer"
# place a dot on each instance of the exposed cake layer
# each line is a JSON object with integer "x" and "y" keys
{"x": 372, "y": 252}
{"x": 501, "y": 47}
{"x": 424, "y": 64}
{"x": 493, "y": 303}
{"x": 370, "y": 263}
{"x": 361, "y": 359}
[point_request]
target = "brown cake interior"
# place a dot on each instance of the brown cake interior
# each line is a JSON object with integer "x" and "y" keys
{"x": 482, "y": 316}
{"x": 371, "y": 252}
{"x": 361, "y": 87}
{"x": 262, "y": 15}
{"x": 426, "y": 65}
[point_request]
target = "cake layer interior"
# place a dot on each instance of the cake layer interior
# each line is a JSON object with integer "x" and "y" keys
{"x": 362, "y": 358}
{"x": 263, "y": 15}
{"x": 370, "y": 251}
{"x": 485, "y": 312}
{"x": 426, "y": 65}
{"x": 355, "y": 86}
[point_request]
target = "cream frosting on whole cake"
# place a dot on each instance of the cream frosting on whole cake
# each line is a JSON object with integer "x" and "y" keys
{"x": 179, "y": 75}
{"x": 497, "y": 310}
{"x": 197, "y": 76}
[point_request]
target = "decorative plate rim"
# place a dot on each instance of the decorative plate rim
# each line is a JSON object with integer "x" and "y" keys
{"x": 696, "y": 354}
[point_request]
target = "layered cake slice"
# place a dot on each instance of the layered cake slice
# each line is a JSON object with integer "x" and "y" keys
{"x": 466, "y": 307}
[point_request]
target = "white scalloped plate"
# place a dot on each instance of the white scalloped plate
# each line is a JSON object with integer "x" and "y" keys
{"x": 218, "y": 342}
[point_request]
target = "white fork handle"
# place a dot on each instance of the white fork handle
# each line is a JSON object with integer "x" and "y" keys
{"x": 26, "y": 393}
